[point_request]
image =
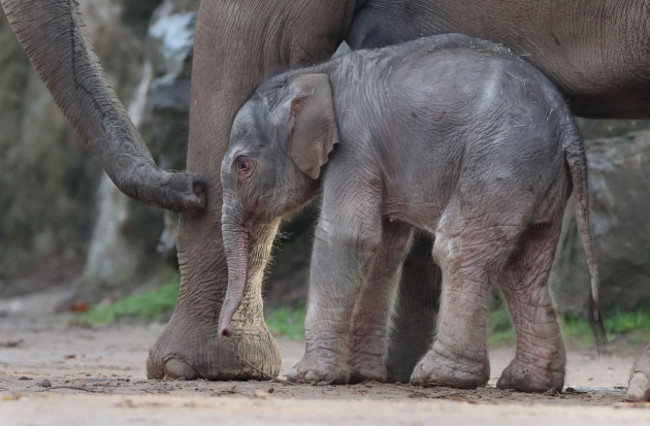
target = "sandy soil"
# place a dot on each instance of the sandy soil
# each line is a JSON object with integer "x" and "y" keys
{"x": 52, "y": 373}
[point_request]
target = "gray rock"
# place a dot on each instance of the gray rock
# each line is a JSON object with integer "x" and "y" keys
{"x": 170, "y": 45}
{"x": 597, "y": 129}
{"x": 45, "y": 383}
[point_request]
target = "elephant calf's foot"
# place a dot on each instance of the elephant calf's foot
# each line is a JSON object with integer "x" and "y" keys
{"x": 367, "y": 367}
{"x": 199, "y": 353}
{"x": 320, "y": 370}
{"x": 440, "y": 367}
{"x": 526, "y": 377}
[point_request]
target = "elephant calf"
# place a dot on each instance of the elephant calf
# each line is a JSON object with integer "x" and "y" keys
{"x": 456, "y": 136}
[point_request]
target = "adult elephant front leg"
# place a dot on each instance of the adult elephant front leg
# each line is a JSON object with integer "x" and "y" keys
{"x": 236, "y": 43}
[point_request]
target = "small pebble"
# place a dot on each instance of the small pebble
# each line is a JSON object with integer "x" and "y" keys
{"x": 45, "y": 383}
{"x": 260, "y": 394}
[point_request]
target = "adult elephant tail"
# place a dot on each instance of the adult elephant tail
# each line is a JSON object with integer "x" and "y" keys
{"x": 56, "y": 42}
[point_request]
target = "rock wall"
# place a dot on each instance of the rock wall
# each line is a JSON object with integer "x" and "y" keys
{"x": 124, "y": 252}
{"x": 47, "y": 181}
{"x": 44, "y": 182}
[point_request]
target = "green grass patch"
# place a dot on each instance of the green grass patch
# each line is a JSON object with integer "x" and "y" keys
{"x": 157, "y": 304}
{"x": 149, "y": 305}
{"x": 500, "y": 329}
{"x": 631, "y": 327}
{"x": 288, "y": 322}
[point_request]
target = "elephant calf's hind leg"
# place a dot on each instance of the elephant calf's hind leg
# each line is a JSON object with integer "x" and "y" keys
{"x": 469, "y": 254}
{"x": 540, "y": 358}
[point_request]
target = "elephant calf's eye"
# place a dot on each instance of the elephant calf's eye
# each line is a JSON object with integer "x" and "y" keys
{"x": 243, "y": 167}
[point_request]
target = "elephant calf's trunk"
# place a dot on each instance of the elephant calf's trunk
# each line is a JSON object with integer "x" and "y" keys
{"x": 236, "y": 245}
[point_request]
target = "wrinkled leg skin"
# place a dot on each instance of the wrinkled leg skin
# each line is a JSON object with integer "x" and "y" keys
{"x": 370, "y": 331}
{"x": 540, "y": 359}
{"x": 414, "y": 320}
{"x": 195, "y": 351}
{"x": 350, "y": 251}
{"x": 232, "y": 54}
{"x": 470, "y": 253}
{"x": 638, "y": 388}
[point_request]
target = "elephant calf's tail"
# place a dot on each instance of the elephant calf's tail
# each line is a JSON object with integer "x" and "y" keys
{"x": 576, "y": 158}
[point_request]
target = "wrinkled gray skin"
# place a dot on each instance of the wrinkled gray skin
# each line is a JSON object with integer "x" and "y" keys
{"x": 453, "y": 135}
{"x": 595, "y": 51}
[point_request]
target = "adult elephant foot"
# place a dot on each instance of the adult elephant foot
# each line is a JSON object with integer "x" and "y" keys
{"x": 191, "y": 347}
{"x": 189, "y": 351}
{"x": 526, "y": 377}
{"x": 638, "y": 388}
{"x": 442, "y": 367}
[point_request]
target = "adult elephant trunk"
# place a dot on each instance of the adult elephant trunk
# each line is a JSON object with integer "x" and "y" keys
{"x": 235, "y": 242}
{"x": 56, "y": 42}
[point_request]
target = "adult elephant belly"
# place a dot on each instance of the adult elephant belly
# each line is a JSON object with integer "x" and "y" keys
{"x": 597, "y": 52}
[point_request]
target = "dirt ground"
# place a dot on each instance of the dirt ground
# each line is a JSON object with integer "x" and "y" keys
{"x": 52, "y": 373}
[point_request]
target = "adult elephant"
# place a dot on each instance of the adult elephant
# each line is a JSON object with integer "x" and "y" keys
{"x": 597, "y": 53}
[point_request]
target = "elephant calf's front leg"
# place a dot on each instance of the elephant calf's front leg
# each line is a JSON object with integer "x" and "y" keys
{"x": 335, "y": 281}
{"x": 369, "y": 335}
{"x": 344, "y": 251}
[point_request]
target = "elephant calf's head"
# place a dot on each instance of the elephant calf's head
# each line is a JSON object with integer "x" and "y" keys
{"x": 279, "y": 141}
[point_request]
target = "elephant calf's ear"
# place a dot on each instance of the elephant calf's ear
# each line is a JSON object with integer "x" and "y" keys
{"x": 314, "y": 131}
